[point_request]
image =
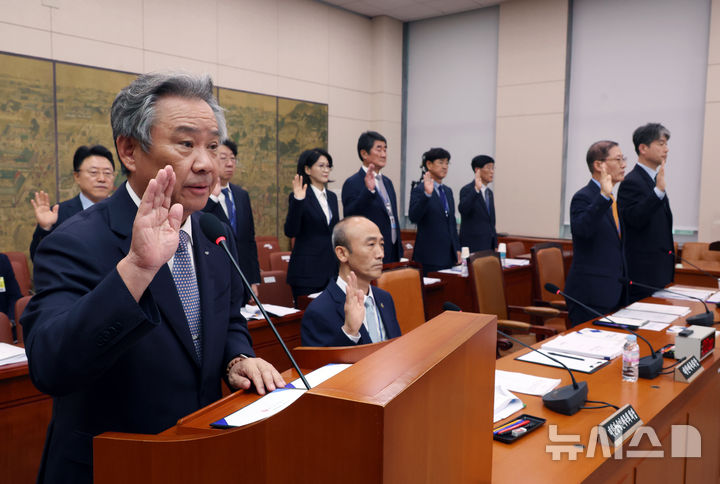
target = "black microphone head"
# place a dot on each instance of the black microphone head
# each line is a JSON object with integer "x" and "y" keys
{"x": 450, "y": 306}
{"x": 212, "y": 227}
{"x": 552, "y": 288}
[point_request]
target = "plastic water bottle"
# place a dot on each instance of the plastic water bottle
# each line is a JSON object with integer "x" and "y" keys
{"x": 502, "y": 248}
{"x": 464, "y": 254}
{"x": 630, "y": 356}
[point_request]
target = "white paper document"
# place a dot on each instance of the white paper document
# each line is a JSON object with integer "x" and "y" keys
{"x": 278, "y": 400}
{"x": 506, "y": 404}
{"x": 516, "y": 262}
{"x": 682, "y": 292}
{"x": 457, "y": 270}
{"x": 652, "y": 326}
{"x": 11, "y": 354}
{"x": 430, "y": 280}
{"x": 574, "y": 362}
{"x": 619, "y": 319}
{"x": 523, "y": 383}
{"x": 645, "y": 316}
{"x": 586, "y": 344}
{"x": 659, "y": 308}
{"x": 251, "y": 311}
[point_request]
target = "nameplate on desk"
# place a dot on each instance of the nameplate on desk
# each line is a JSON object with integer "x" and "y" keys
{"x": 688, "y": 370}
{"x": 621, "y": 425}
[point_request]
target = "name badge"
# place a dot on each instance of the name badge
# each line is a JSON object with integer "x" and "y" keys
{"x": 2, "y": 284}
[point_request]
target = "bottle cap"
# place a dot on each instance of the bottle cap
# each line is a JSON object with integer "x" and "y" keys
{"x": 502, "y": 247}
{"x": 465, "y": 252}
{"x": 631, "y": 337}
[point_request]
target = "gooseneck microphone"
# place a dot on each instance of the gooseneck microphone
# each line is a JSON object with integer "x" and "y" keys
{"x": 703, "y": 319}
{"x": 567, "y": 400}
{"x": 214, "y": 230}
{"x": 649, "y": 366}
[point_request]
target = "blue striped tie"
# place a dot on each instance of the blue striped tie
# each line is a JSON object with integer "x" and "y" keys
{"x": 230, "y": 208}
{"x": 187, "y": 288}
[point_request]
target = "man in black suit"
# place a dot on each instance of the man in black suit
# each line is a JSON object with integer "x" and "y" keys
{"x": 645, "y": 210}
{"x": 137, "y": 314}
{"x": 350, "y": 311}
{"x": 231, "y": 204}
{"x": 94, "y": 173}
{"x": 372, "y": 195}
{"x": 477, "y": 207}
{"x": 598, "y": 258}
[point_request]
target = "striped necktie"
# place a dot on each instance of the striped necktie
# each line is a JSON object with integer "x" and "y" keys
{"x": 230, "y": 208}
{"x": 187, "y": 288}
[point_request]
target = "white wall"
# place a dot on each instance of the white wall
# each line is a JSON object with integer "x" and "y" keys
{"x": 299, "y": 49}
{"x": 451, "y": 92}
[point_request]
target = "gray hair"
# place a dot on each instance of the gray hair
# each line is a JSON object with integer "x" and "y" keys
{"x": 133, "y": 110}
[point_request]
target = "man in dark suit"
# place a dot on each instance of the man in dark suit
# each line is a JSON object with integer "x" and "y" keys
{"x": 598, "y": 257}
{"x": 231, "y": 204}
{"x": 432, "y": 208}
{"x": 372, "y": 195}
{"x": 349, "y": 311}
{"x": 646, "y": 213}
{"x": 94, "y": 172}
{"x": 477, "y": 207}
{"x": 137, "y": 314}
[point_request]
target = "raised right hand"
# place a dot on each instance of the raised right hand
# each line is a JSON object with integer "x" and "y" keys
{"x": 370, "y": 178}
{"x": 478, "y": 180}
{"x": 354, "y": 306}
{"x": 155, "y": 234}
{"x": 660, "y": 178}
{"x": 299, "y": 189}
{"x": 45, "y": 216}
{"x": 606, "y": 184}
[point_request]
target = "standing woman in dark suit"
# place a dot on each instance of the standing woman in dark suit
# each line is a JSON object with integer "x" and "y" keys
{"x": 432, "y": 208}
{"x": 312, "y": 214}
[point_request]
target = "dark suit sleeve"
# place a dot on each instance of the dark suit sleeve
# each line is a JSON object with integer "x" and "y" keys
{"x": 68, "y": 340}
{"x": 37, "y": 237}
{"x": 355, "y": 197}
{"x": 586, "y": 214}
{"x": 468, "y": 197}
{"x": 418, "y": 203}
{"x": 293, "y": 220}
{"x": 636, "y": 203}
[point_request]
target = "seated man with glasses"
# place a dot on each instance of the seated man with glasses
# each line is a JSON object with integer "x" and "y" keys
{"x": 231, "y": 204}
{"x": 94, "y": 173}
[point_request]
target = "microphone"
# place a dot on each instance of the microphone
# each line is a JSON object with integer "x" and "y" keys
{"x": 451, "y": 306}
{"x": 703, "y": 272}
{"x": 566, "y": 400}
{"x": 214, "y": 230}
{"x": 649, "y": 366}
{"x": 703, "y": 319}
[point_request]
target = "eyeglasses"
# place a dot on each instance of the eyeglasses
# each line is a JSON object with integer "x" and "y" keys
{"x": 618, "y": 159}
{"x": 93, "y": 173}
{"x": 225, "y": 159}
{"x": 324, "y": 167}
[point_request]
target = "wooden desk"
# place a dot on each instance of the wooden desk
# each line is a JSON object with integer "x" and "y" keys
{"x": 660, "y": 403}
{"x": 687, "y": 275}
{"x": 458, "y": 289}
{"x": 394, "y": 412}
{"x": 25, "y": 412}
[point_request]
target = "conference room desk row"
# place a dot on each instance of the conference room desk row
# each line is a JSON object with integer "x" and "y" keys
{"x": 413, "y": 406}
{"x": 691, "y": 276}
{"x": 660, "y": 403}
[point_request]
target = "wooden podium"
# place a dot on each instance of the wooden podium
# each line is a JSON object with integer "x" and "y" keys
{"x": 416, "y": 409}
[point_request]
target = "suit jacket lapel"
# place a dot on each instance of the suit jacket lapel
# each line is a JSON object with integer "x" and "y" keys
{"x": 315, "y": 204}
